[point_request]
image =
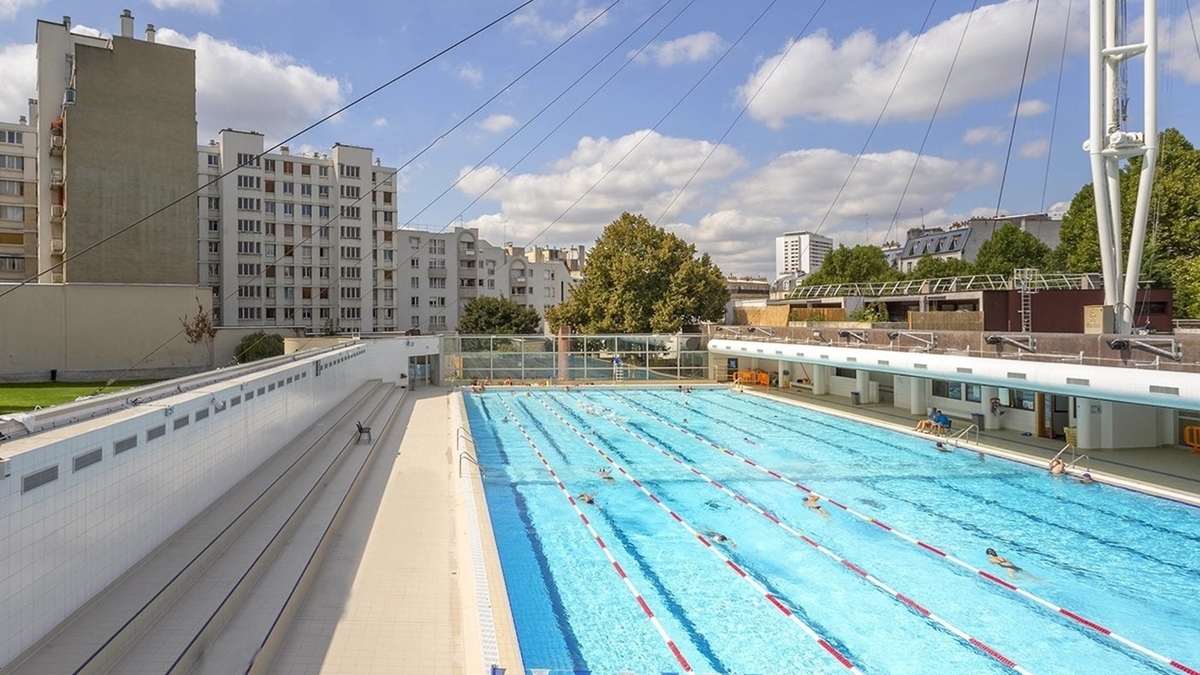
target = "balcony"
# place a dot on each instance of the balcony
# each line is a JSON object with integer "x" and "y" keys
{"x": 57, "y": 144}
{"x": 57, "y": 211}
{"x": 57, "y": 246}
{"x": 437, "y": 272}
{"x": 56, "y": 178}
{"x": 468, "y": 291}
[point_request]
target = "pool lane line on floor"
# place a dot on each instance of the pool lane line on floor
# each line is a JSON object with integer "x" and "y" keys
{"x": 858, "y": 570}
{"x": 687, "y": 668}
{"x": 766, "y": 593}
{"x": 1146, "y": 651}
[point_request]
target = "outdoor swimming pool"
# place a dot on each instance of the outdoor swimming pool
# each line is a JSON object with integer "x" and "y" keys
{"x": 894, "y": 580}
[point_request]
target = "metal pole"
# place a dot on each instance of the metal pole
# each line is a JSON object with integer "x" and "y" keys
{"x": 1149, "y": 160}
{"x": 1095, "y": 146}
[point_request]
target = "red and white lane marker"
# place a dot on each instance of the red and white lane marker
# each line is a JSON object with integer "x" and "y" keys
{"x": 856, "y": 569}
{"x": 1141, "y": 649}
{"x": 772, "y": 598}
{"x": 687, "y": 668}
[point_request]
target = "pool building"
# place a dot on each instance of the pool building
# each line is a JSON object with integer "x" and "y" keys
{"x": 619, "y": 506}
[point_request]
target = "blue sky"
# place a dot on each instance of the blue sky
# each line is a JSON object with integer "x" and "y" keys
{"x": 274, "y": 66}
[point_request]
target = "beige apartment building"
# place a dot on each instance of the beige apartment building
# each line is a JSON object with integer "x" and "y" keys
{"x": 115, "y": 121}
{"x": 18, "y": 200}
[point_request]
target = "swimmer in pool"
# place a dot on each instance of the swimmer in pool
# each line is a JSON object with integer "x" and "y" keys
{"x": 811, "y": 502}
{"x": 997, "y": 559}
{"x": 605, "y": 474}
{"x": 586, "y": 498}
{"x": 941, "y": 447}
{"x": 720, "y": 538}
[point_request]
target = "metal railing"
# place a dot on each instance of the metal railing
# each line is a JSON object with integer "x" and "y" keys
{"x": 963, "y": 435}
{"x": 1075, "y": 457}
{"x": 464, "y": 435}
{"x": 977, "y": 282}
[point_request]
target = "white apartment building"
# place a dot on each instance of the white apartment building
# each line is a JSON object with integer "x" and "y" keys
{"x": 295, "y": 240}
{"x": 18, "y": 200}
{"x": 312, "y": 241}
{"x": 800, "y": 252}
{"x": 440, "y": 272}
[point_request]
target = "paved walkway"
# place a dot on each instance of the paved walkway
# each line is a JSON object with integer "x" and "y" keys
{"x": 388, "y": 597}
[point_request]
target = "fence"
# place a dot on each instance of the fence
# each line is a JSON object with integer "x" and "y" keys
{"x": 538, "y": 359}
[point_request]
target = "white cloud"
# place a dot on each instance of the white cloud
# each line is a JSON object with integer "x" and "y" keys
{"x": 849, "y": 81}
{"x": 1034, "y": 149}
{"x": 1032, "y": 108}
{"x": 687, "y": 49}
{"x": 470, "y": 74}
{"x": 379, "y": 122}
{"x": 207, "y": 6}
{"x": 9, "y": 8}
{"x": 980, "y": 135}
{"x": 18, "y": 62}
{"x": 254, "y": 90}
{"x": 644, "y": 183}
{"x": 1177, "y": 46}
{"x": 553, "y": 30}
{"x": 80, "y": 29}
{"x": 497, "y": 123}
{"x": 1059, "y": 208}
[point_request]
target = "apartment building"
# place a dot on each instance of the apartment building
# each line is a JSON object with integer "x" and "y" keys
{"x": 962, "y": 239}
{"x": 18, "y": 200}
{"x": 440, "y": 272}
{"x": 800, "y": 252}
{"x": 296, "y": 240}
{"x": 115, "y": 125}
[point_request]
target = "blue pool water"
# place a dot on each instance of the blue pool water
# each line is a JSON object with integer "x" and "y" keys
{"x": 1125, "y": 561}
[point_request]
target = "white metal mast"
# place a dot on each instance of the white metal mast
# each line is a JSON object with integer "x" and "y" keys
{"x": 1108, "y": 144}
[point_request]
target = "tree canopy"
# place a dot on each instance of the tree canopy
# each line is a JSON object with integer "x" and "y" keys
{"x": 258, "y": 345}
{"x": 1011, "y": 248}
{"x": 640, "y": 278}
{"x": 929, "y": 267}
{"x": 1173, "y": 228}
{"x": 854, "y": 265}
{"x": 498, "y": 316}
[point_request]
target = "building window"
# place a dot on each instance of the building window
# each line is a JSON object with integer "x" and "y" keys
{"x": 249, "y": 204}
{"x": 324, "y": 313}
{"x": 353, "y": 252}
{"x": 214, "y": 247}
{"x": 12, "y": 187}
{"x": 974, "y": 392}
{"x": 247, "y": 159}
{"x": 289, "y": 313}
{"x": 288, "y": 167}
{"x": 416, "y": 282}
{"x": 12, "y": 162}
{"x": 214, "y": 269}
{"x": 414, "y": 243}
{"x": 323, "y": 212}
{"x": 306, "y": 210}
{"x": 323, "y": 191}
{"x": 248, "y": 247}
{"x": 414, "y": 263}
{"x": 438, "y": 282}
{"x": 288, "y": 208}
{"x": 214, "y": 226}
{"x": 323, "y": 171}
{"x": 438, "y": 322}
{"x": 351, "y": 212}
{"x": 351, "y": 292}
{"x": 214, "y": 203}
{"x": 13, "y": 213}
{"x": 348, "y": 171}
{"x": 437, "y": 301}
{"x": 12, "y": 137}
{"x": 351, "y": 273}
{"x": 269, "y": 165}
{"x": 437, "y": 246}
{"x": 351, "y": 232}
{"x": 254, "y": 226}
{"x": 414, "y": 301}
{"x": 249, "y": 182}
{"x": 12, "y": 263}
{"x": 288, "y": 188}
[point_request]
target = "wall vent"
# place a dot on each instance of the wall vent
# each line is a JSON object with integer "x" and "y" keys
{"x": 124, "y": 444}
{"x": 39, "y": 478}
{"x": 1078, "y": 380}
{"x": 201, "y": 414}
{"x": 1157, "y": 389}
{"x": 181, "y": 422}
{"x": 1016, "y": 376}
{"x": 156, "y": 432}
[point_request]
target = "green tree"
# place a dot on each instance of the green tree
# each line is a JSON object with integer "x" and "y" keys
{"x": 861, "y": 264}
{"x": 1011, "y": 248}
{"x": 258, "y": 345}
{"x": 1185, "y": 273}
{"x": 640, "y": 278}
{"x": 498, "y": 316}
{"x": 929, "y": 267}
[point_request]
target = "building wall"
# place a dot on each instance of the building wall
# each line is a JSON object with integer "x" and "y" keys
{"x": 18, "y": 201}
{"x": 1062, "y": 311}
{"x": 130, "y": 150}
{"x": 69, "y": 539}
{"x": 90, "y": 332}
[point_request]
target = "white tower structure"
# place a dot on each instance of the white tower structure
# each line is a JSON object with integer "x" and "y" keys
{"x": 1108, "y": 144}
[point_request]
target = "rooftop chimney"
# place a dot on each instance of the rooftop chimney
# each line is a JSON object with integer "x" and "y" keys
{"x": 284, "y": 150}
{"x": 67, "y": 22}
{"x": 149, "y": 32}
{"x": 22, "y": 120}
{"x": 126, "y": 23}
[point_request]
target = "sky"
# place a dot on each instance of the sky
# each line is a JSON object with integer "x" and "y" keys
{"x": 728, "y": 122}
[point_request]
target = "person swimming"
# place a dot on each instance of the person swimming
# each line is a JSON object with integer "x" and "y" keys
{"x": 720, "y": 538}
{"x": 605, "y": 474}
{"x": 941, "y": 447}
{"x": 811, "y": 502}
{"x": 997, "y": 559}
{"x": 586, "y": 498}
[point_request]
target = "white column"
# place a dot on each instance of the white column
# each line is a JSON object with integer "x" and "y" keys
{"x": 916, "y": 396}
{"x": 820, "y": 377}
{"x": 990, "y": 420}
{"x": 781, "y": 378}
{"x": 1168, "y": 426}
{"x": 1087, "y": 424}
{"x": 862, "y": 382}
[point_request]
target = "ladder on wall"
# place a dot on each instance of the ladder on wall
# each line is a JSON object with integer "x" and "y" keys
{"x": 618, "y": 372}
{"x": 1023, "y": 280}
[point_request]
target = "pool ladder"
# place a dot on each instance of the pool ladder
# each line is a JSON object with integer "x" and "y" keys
{"x": 464, "y": 435}
{"x": 1076, "y": 458}
{"x": 963, "y": 435}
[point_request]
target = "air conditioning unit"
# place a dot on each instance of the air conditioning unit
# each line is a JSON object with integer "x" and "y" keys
{"x": 56, "y": 246}
{"x": 56, "y": 144}
{"x": 56, "y": 177}
{"x": 56, "y": 213}
{"x": 69, "y": 97}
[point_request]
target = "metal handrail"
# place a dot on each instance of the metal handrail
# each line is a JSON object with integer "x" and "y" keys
{"x": 463, "y": 435}
{"x": 961, "y": 435}
{"x": 1075, "y": 457}
{"x": 977, "y": 282}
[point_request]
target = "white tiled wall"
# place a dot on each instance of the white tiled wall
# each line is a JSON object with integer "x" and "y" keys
{"x": 63, "y": 542}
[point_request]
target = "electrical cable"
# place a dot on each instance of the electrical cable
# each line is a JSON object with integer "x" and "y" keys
{"x": 1012, "y": 134}
{"x": 310, "y": 127}
{"x": 741, "y": 112}
{"x": 929, "y": 127}
{"x": 882, "y": 112}
{"x": 1057, "y": 97}
{"x": 637, "y": 144}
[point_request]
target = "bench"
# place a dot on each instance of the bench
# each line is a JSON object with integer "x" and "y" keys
{"x": 363, "y": 430}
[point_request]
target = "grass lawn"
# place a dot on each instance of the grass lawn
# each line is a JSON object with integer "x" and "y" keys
{"x": 25, "y": 396}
